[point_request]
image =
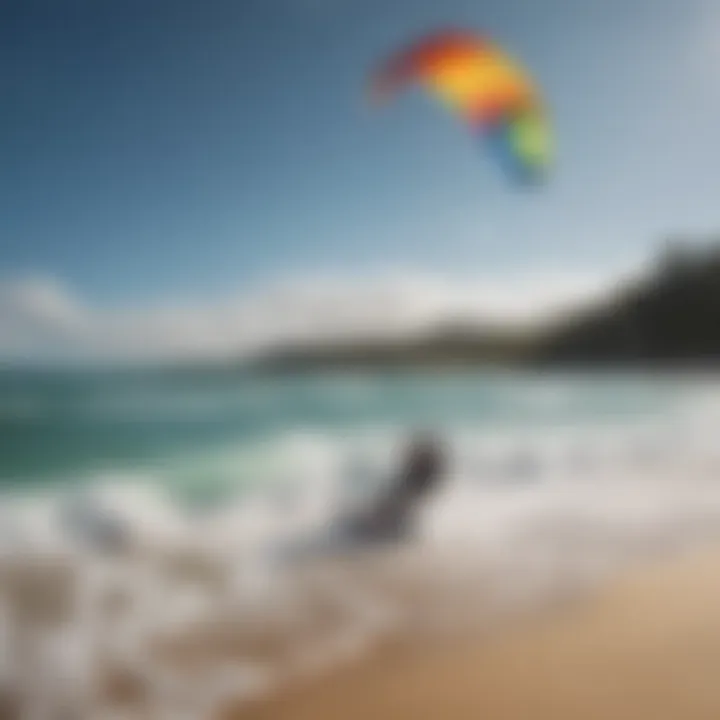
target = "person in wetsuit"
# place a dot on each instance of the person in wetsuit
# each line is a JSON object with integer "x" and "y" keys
{"x": 390, "y": 517}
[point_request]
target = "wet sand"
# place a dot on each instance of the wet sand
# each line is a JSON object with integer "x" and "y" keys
{"x": 647, "y": 646}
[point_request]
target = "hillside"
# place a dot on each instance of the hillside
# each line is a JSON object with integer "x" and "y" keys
{"x": 672, "y": 316}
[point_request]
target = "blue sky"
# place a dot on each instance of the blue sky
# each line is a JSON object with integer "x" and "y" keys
{"x": 158, "y": 149}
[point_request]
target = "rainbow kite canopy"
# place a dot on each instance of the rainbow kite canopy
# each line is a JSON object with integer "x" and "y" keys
{"x": 483, "y": 85}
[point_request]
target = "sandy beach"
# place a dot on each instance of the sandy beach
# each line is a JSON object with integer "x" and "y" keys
{"x": 646, "y": 646}
{"x": 554, "y": 574}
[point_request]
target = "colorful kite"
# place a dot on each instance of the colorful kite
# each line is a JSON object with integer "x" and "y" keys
{"x": 487, "y": 88}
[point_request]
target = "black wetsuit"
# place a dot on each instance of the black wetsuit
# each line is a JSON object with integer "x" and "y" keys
{"x": 390, "y": 517}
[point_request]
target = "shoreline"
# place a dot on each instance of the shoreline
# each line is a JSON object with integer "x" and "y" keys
{"x": 645, "y": 644}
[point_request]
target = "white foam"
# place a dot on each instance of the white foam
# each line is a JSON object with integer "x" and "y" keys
{"x": 121, "y": 510}
{"x": 527, "y": 513}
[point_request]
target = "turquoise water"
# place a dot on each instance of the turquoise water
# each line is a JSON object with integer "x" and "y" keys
{"x": 243, "y": 483}
{"x": 205, "y": 428}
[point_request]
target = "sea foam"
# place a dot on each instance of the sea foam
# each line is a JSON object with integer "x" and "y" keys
{"x": 118, "y": 579}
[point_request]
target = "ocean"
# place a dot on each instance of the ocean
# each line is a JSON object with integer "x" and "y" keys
{"x": 554, "y": 481}
{"x": 200, "y": 441}
{"x": 207, "y": 431}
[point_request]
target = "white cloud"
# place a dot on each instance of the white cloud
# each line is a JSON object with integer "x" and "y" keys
{"x": 39, "y": 317}
{"x": 36, "y": 314}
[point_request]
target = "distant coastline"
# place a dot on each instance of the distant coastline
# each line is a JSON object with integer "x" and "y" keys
{"x": 668, "y": 319}
{"x": 665, "y": 320}
{"x": 443, "y": 348}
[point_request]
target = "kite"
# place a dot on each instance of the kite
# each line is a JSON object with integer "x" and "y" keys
{"x": 485, "y": 87}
